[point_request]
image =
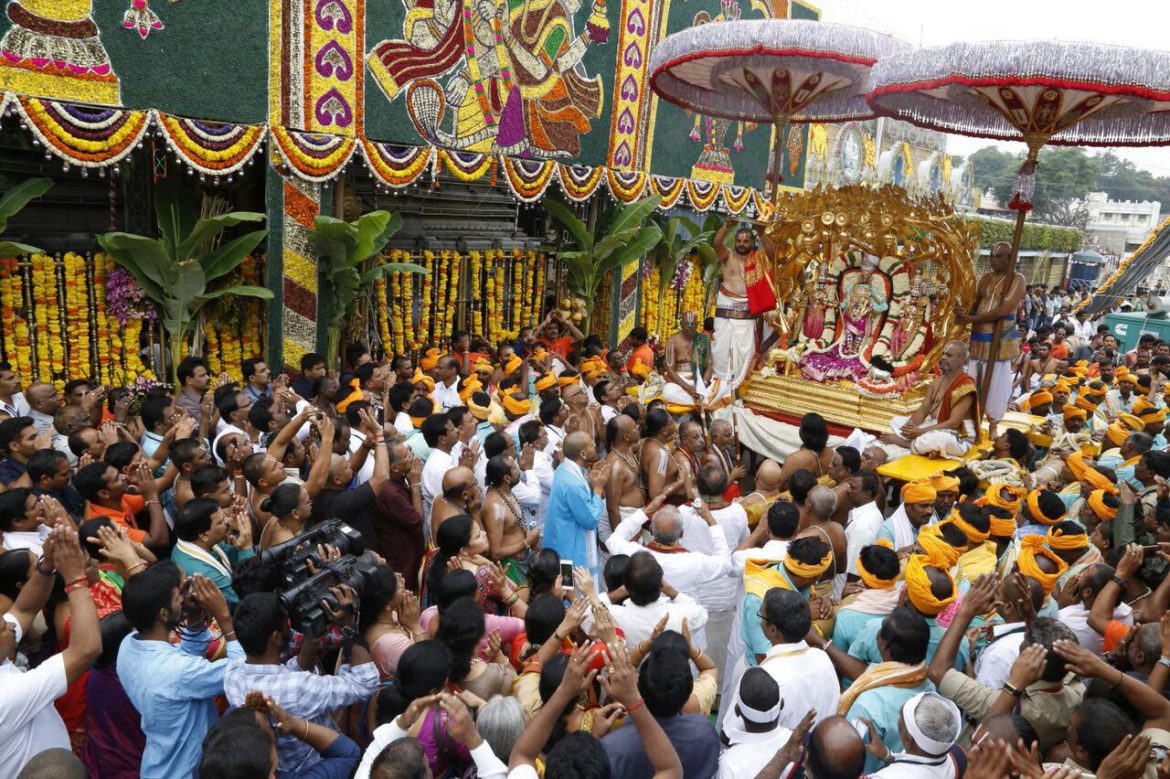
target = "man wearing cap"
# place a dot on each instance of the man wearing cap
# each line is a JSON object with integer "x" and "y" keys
{"x": 929, "y": 725}
{"x": 944, "y": 425}
{"x": 917, "y": 509}
{"x": 761, "y": 735}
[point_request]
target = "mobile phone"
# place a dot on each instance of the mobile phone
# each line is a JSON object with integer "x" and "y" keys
{"x": 862, "y": 730}
{"x": 567, "y": 573}
{"x": 1151, "y": 549}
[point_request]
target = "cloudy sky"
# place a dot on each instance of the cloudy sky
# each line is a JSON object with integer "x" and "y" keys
{"x": 1141, "y": 23}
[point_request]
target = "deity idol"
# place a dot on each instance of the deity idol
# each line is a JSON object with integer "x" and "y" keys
{"x": 814, "y": 318}
{"x": 862, "y": 305}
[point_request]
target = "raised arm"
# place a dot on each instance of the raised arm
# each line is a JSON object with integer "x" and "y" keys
{"x": 1106, "y": 600}
{"x": 158, "y": 536}
{"x": 85, "y": 636}
{"x": 319, "y": 470}
{"x": 978, "y": 600}
{"x": 720, "y": 239}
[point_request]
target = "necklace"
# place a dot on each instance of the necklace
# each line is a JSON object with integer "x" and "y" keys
{"x": 513, "y": 506}
{"x": 631, "y": 465}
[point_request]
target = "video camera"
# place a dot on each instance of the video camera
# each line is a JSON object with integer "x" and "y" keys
{"x": 292, "y": 555}
{"x": 305, "y": 600}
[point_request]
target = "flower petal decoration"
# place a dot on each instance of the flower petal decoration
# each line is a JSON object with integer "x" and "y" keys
{"x": 313, "y": 156}
{"x": 84, "y": 135}
{"x": 211, "y": 148}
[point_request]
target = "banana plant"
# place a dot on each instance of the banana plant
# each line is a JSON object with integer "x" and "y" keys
{"x": 622, "y": 238}
{"x": 11, "y": 203}
{"x": 711, "y": 269}
{"x": 681, "y": 239}
{"x": 343, "y": 249}
{"x": 178, "y": 271}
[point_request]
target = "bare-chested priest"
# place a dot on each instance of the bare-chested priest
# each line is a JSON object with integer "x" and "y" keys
{"x": 688, "y": 366}
{"x": 997, "y": 298}
{"x": 944, "y": 424}
{"x": 461, "y": 495}
{"x": 734, "y": 348}
{"x": 625, "y": 492}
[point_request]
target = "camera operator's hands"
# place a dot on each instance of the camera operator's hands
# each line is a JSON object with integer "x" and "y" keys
{"x": 326, "y": 553}
{"x": 346, "y": 612}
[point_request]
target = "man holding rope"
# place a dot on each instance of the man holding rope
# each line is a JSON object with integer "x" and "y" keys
{"x": 995, "y": 341}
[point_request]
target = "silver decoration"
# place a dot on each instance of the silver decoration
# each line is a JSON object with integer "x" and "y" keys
{"x": 933, "y": 88}
{"x": 701, "y": 68}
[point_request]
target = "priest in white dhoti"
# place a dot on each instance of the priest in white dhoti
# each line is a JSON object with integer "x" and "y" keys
{"x": 744, "y": 271}
{"x": 944, "y": 425}
{"x": 689, "y": 381}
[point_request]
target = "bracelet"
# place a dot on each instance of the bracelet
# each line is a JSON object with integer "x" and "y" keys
{"x": 77, "y": 584}
{"x": 511, "y": 600}
{"x": 1012, "y": 690}
{"x": 635, "y": 705}
{"x": 153, "y": 500}
{"x": 1164, "y": 661}
{"x": 306, "y": 736}
{"x": 42, "y": 571}
{"x": 413, "y": 485}
{"x": 1119, "y": 581}
{"x": 231, "y": 633}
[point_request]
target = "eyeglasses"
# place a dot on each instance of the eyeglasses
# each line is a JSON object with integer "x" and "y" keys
{"x": 763, "y": 618}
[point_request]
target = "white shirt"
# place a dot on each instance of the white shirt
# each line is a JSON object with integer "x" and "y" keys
{"x": 29, "y": 723}
{"x": 555, "y": 437}
{"x": 447, "y": 395}
{"x": 608, "y": 413}
{"x": 438, "y": 463}
{"x": 861, "y": 530}
{"x": 356, "y": 439}
{"x": 403, "y": 423}
{"x": 750, "y": 752}
{"x": 487, "y": 765}
{"x": 33, "y": 540}
{"x": 1076, "y": 616}
{"x": 993, "y": 666}
{"x": 17, "y": 408}
{"x": 1086, "y": 330}
{"x": 542, "y": 466}
{"x": 920, "y": 767}
{"x": 717, "y": 595}
{"x": 638, "y": 622}
{"x": 693, "y": 572}
{"x": 225, "y": 429}
{"x": 807, "y": 680}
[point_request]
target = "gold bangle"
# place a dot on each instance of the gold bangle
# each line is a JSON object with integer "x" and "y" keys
{"x": 136, "y": 566}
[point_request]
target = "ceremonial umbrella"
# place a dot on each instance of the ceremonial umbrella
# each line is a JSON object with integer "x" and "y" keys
{"x": 770, "y": 71}
{"x": 1038, "y": 92}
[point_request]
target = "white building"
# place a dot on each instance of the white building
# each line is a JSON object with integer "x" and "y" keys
{"x": 1119, "y": 226}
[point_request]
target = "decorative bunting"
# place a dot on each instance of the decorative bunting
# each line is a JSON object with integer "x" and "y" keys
{"x": 702, "y": 193}
{"x": 579, "y": 181}
{"x": 83, "y": 135}
{"x": 215, "y": 148}
{"x": 626, "y": 185}
{"x": 466, "y": 166}
{"x": 396, "y": 166}
{"x": 313, "y": 156}
{"x": 528, "y": 179}
{"x": 669, "y": 189}
{"x": 736, "y": 199}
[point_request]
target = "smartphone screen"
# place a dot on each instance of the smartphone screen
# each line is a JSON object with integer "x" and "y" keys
{"x": 567, "y": 573}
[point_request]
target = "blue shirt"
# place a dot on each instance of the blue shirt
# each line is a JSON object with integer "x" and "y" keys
{"x": 574, "y": 509}
{"x": 692, "y": 735}
{"x": 883, "y": 707}
{"x": 865, "y": 647}
{"x": 850, "y": 623}
{"x": 173, "y": 688}
{"x": 751, "y": 629}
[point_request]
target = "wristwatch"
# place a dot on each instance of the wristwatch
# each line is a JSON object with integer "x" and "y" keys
{"x": 1164, "y": 661}
{"x": 1119, "y": 581}
{"x": 1012, "y": 690}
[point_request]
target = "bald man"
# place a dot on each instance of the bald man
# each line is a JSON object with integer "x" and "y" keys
{"x": 43, "y": 402}
{"x": 997, "y": 298}
{"x": 817, "y": 522}
{"x": 946, "y": 422}
{"x": 576, "y": 504}
{"x": 688, "y": 367}
{"x": 461, "y": 495}
{"x": 757, "y": 502}
{"x": 625, "y": 492}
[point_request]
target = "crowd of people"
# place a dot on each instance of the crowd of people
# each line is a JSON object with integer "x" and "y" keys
{"x": 520, "y": 560}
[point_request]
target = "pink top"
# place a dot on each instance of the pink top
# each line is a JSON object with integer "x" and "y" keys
{"x": 507, "y": 627}
{"x": 386, "y": 652}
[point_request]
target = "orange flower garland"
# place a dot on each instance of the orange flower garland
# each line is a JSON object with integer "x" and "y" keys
{"x": 428, "y": 300}
{"x": 101, "y": 319}
{"x": 211, "y": 352}
{"x": 476, "y": 291}
{"x": 383, "y": 314}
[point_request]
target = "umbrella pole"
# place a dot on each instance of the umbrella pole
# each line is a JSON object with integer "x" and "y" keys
{"x": 1035, "y": 142}
{"x": 780, "y": 122}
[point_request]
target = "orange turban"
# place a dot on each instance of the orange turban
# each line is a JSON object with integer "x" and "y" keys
{"x": 515, "y": 403}
{"x": 1035, "y": 512}
{"x": 1002, "y": 527}
{"x": 871, "y": 581}
{"x": 1072, "y": 412}
{"x": 538, "y": 352}
{"x": 1039, "y": 398}
{"x": 421, "y": 378}
{"x": 919, "y": 491}
{"x": 1031, "y": 548}
{"x": 479, "y": 412}
{"x": 1005, "y": 496}
{"x": 430, "y": 360}
{"x": 1123, "y": 374}
{"x": 1096, "y": 502}
{"x": 470, "y": 386}
{"x": 482, "y": 365}
{"x": 1155, "y": 414}
{"x": 1141, "y": 404}
{"x": 806, "y": 571}
{"x": 355, "y": 393}
{"x": 1082, "y": 471}
{"x": 1088, "y": 403}
{"x": 567, "y": 381}
{"x": 1059, "y": 540}
{"x": 546, "y": 382}
{"x": 591, "y": 364}
{"x": 1062, "y": 387}
{"x": 918, "y": 585}
{"x": 640, "y": 369}
{"x": 944, "y": 482}
{"x": 973, "y": 535}
{"x": 931, "y": 540}
{"x": 512, "y": 365}
{"x": 596, "y": 373}
{"x": 1125, "y": 424}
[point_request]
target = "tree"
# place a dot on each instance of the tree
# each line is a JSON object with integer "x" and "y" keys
{"x": 1064, "y": 178}
{"x": 622, "y": 238}
{"x": 343, "y": 248}
{"x": 995, "y": 170}
{"x": 681, "y": 239}
{"x": 176, "y": 272}
{"x": 11, "y": 203}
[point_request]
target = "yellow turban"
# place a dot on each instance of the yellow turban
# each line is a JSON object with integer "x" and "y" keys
{"x": 1072, "y": 412}
{"x": 512, "y": 365}
{"x": 806, "y": 571}
{"x": 1141, "y": 404}
{"x": 482, "y": 413}
{"x": 918, "y": 585}
{"x": 1002, "y": 527}
{"x": 421, "y": 378}
{"x": 515, "y": 403}
{"x": 1039, "y": 398}
{"x": 1038, "y": 515}
{"x": 417, "y": 421}
{"x": 871, "y": 581}
{"x": 482, "y": 365}
{"x": 546, "y": 382}
{"x": 430, "y": 360}
{"x": 1059, "y": 540}
{"x": 1155, "y": 414}
{"x": 1125, "y": 424}
{"x": 1096, "y": 502}
{"x": 1123, "y": 374}
{"x": 1087, "y": 402}
{"x": 1005, "y": 496}
{"x": 567, "y": 381}
{"x": 496, "y": 415}
{"x": 944, "y": 482}
{"x": 355, "y": 393}
{"x": 931, "y": 540}
{"x": 640, "y": 369}
{"x": 919, "y": 491}
{"x": 471, "y": 385}
{"x": 596, "y": 373}
{"x": 591, "y": 364}
{"x": 538, "y": 352}
{"x": 1062, "y": 387}
{"x": 1081, "y": 471}
{"x": 1032, "y": 547}
{"x": 974, "y": 535}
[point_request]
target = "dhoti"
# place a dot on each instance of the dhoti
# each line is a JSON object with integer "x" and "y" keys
{"x": 675, "y": 395}
{"x": 734, "y": 348}
{"x": 604, "y": 531}
{"x": 1000, "y": 390}
{"x": 937, "y": 443}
